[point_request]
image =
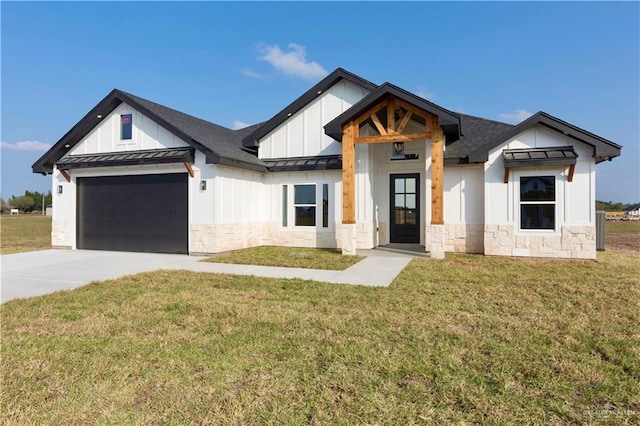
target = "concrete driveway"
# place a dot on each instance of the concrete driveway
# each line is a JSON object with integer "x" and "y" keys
{"x": 42, "y": 272}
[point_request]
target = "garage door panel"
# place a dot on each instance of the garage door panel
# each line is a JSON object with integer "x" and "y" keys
{"x": 146, "y": 213}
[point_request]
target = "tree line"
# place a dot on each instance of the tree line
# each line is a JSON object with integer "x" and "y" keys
{"x": 27, "y": 203}
{"x": 610, "y": 206}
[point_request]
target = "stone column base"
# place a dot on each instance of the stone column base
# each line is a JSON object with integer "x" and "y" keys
{"x": 349, "y": 239}
{"x": 436, "y": 241}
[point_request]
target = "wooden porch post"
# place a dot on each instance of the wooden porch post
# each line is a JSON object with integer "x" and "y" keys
{"x": 437, "y": 172}
{"x": 436, "y": 229}
{"x": 349, "y": 189}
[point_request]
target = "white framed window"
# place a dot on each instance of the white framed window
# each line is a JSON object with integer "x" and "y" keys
{"x": 538, "y": 203}
{"x": 306, "y": 205}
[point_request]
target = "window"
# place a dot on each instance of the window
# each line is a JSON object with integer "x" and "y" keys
{"x": 126, "y": 126}
{"x": 325, "y": 205}
{"x": 304, "y": 201}
{"x": 538, "y": 202}
{"x": 309, "y": 205}
{"x": 285, "y": 205}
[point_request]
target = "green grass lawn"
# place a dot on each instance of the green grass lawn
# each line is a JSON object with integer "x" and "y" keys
{"x": 25, "y": 232}
{"x": 467, "y": 340}
{"x": 291, "y": 257}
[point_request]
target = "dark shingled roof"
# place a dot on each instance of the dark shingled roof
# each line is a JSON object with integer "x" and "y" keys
{"x": 225, "y": 143}
{"x": 476, "y": 132}
{"x": 219, "y": 144}
{"x": 238, "y": 148}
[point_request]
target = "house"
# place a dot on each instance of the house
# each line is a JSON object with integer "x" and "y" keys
{"x": 633, "y": 212}
{"x": 349, "y": 164}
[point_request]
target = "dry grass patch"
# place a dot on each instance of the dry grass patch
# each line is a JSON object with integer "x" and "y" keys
{"x": 24, "y": 233}
{"x": 291, "y": 257}
{"x": 467, "y": 340}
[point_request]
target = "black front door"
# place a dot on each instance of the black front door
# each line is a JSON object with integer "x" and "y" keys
{"x": 405, "y": 208}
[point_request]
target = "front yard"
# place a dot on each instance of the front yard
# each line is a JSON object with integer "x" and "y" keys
{"x": 470, "y": 339}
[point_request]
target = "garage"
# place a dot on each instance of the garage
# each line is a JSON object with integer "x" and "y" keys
{"x": 141, "y": 213}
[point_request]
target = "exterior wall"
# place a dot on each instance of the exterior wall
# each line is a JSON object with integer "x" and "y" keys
{"x": 232, "y": 212}
{"x": 464, "y": 208}
{"x": 574, "y": 233}
{"x": 302, "y": 135}
{"x": 147, "y": 134}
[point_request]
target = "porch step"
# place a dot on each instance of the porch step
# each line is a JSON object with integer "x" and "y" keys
{"x": 415, "y": 250}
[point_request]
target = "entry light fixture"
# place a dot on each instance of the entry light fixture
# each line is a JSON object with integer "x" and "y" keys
{"x": 59, "y": 189}
{"x": 203, "y": 185}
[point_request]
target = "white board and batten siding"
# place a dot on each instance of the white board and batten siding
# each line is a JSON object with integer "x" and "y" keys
{"x": 463, "y": 194}
{"x": 302, "y": 134}
{"x": 147, "y": 134}
{"x": 575, "y": 200}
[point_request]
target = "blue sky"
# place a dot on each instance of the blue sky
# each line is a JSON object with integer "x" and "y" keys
{"x": 241, "y": 62}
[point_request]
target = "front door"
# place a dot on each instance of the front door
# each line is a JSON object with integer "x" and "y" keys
{"x": 405, "y": 208}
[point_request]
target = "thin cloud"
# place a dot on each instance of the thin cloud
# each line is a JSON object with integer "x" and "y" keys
{"x": 251, "y": 73}
{"x": 425, "y": 94}
{"x": 294, "y": 62}
{"x": 237, "y": 125}
{"x": 26, "y": 146}
{"x": 517, "y": 116}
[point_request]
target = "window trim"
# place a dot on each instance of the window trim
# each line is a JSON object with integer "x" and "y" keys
{"x": 556, "y": 202}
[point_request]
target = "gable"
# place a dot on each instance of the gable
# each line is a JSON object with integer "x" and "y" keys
{"x": 301, "y": 134}
{"x": 105, "y": 136}
{"x": 219, "y": 144}
{"x": 600, "y": 148}
{"x": 540, "y": 137}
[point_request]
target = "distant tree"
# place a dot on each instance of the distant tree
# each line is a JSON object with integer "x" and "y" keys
{"x": 4, "y": 207}
{"x": 24, "y": 202}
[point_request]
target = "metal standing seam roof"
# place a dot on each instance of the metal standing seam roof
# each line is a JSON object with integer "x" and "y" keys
{"x": 155, "y": 156}
{"x": 554, "y": 156}
{"x": 328, "y": 162}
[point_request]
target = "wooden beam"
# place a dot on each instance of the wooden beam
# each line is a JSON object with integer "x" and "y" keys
{"x": 506, "y": 175}
{"x": 378, "y": 123}
{"x": 411, "y": 108}
{"x": 189, "y": 168}
{"x": 391, "y": 116}
{"x": 349, "y": 173}
{"x": 374, "y": 109}
{"x": 404, "y": 122}
{"x": 393, "y": 138}
{"x": 572, "y": 168}
{"x": 65, "y": 174}
{"x": 437, "y": 172}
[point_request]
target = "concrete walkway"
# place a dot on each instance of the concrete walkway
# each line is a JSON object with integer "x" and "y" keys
{"x": 43, "y": 272}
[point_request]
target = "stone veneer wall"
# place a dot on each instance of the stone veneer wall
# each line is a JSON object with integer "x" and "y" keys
{"x": 574, "y": 242}
{"x": 235, "y": 236}
{"x": 463, "y": 238}
{"x": 61, "y": 235}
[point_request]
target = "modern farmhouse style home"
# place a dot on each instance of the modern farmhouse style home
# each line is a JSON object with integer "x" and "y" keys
{"x": 349, "y": 164}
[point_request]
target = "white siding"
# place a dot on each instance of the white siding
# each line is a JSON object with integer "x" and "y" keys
{"x": 302, "y": 135}
{"x": 105, "y": 137}
{"x": 463, "y": 194}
